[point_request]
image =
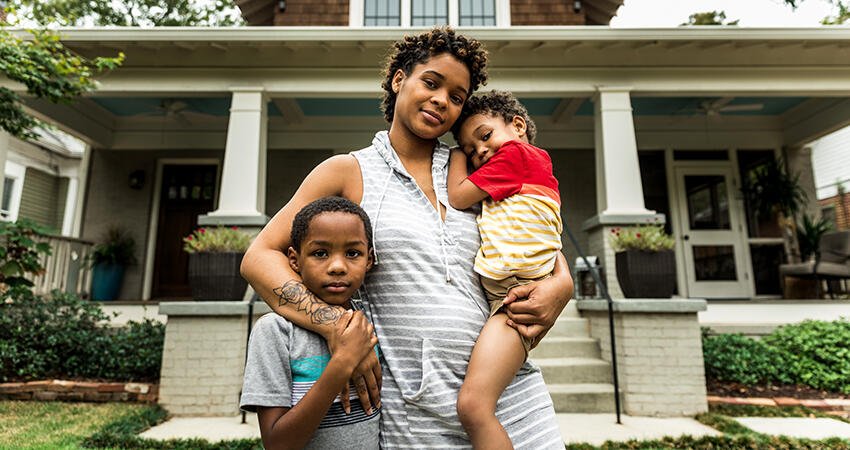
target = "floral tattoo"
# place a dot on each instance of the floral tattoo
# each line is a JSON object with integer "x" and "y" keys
{"x": 296, "y": 294}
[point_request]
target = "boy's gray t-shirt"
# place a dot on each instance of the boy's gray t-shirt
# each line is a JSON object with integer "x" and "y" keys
{"x": 284, "y": 361}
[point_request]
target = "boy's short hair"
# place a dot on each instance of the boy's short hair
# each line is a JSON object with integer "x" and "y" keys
{"x": 413, "y": 50}
{"x": 498, "y": 103}
{"x": 301, "y": 223}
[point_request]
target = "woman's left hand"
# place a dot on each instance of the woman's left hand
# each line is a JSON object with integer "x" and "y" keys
{"x": 533, "y": 308}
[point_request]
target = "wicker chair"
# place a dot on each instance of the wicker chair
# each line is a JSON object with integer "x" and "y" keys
{"x": 832, "y": 262}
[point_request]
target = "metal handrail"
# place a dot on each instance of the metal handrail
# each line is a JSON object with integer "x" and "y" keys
{"x": 594, "y": 272}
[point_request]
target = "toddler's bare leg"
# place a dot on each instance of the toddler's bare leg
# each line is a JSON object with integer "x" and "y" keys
{"x": 495, "y": 360}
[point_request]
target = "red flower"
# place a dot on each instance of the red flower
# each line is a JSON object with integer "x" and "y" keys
{"x": 637, "y": 235}
{"x": 202, "y": 231}
{"x": 189, "y": 238}
{"x": 234, "y": 227}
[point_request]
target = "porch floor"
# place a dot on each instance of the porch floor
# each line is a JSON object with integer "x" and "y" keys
{"x": 759, "y": 317}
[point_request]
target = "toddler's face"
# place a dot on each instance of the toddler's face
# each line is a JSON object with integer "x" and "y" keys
{"x": 334, "y": 256}
{"x": 481, "y": 136}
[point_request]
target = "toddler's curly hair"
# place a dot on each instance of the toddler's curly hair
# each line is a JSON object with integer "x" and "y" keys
{"x": 497, "y": 103}
{"x": 413, "y": 50}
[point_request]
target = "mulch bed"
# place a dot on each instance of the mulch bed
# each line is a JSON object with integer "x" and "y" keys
{"x": 732, "y": 389}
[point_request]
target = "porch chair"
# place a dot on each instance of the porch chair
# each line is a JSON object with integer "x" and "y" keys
{"x": 831, "y": 263}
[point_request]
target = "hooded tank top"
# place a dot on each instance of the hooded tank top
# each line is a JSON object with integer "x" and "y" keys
{"x": 427, "y": 306}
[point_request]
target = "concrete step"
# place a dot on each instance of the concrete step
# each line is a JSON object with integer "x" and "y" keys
{"x": 570, "y": 327}
{"x": 566, "y": 347}
{"x": 585, "y": 398}
{"x": 574, "y": 370}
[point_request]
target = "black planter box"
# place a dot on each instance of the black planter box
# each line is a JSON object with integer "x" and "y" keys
{"x": 644, "y": 274}
{"x": 215, "y": 276}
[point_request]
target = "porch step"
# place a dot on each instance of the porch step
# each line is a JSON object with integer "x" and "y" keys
{"x": 567, "y": 326}
{"x": 582, "y": 398}
{"x": 574, "y": 370}
{"x": 570, "y": 347}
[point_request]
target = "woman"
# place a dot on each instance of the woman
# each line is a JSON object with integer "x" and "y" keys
{"x": 422, "y": 295}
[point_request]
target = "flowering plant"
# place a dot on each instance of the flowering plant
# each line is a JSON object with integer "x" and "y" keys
{"x": 217, "y": 240}
{"x": 649, "y": 238}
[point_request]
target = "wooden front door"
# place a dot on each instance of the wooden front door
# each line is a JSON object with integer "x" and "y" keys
{"x": 187, "y": 192}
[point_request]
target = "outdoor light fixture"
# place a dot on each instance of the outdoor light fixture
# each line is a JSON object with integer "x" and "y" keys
{"x": 577, "y": 5}
{"x": 281, "y": 5}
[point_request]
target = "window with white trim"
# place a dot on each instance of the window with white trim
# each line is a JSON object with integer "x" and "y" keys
{"x": 6, "y": 204}
{"x": 426, "y": 13}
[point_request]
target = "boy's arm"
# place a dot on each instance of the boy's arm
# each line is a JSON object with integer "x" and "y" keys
{"x": 462, "y": 192}
{"x": 292, "y": 428}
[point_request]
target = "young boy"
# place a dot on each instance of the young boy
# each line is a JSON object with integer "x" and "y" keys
{"x": 291, "y": 379}
{"x": 520, "y": 226}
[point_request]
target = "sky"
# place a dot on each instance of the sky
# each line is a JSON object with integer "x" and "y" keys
{"x": 752, "y": 13}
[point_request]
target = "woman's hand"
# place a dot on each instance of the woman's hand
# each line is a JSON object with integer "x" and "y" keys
{"x": 533, "y": 308}
{"x": 353, "y": 341}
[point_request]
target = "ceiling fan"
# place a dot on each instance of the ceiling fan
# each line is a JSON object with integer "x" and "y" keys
{"x": 721, "y": 105}
{"x": 175, "y": 109}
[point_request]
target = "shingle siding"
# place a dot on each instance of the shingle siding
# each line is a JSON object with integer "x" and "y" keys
{"x": 545, "y": 12}
{"x": 313, "y": 13}
{"x": 43, "y": 198}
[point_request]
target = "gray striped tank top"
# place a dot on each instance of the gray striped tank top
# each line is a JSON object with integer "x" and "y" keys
{"x": 427, "y": 307}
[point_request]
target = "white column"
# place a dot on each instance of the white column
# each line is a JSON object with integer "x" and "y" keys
{"x": 242, "y": 195}
{"x": 70, "y": 207}
{"x": 619, "y": 191}
{"x": 80, "y": 199}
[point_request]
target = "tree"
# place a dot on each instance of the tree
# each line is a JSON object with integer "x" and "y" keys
{"x": 135, "y": 13}
{"x": 842, "y": 17}
{"x": 48, "y": 70}
{"x": 708, "y": 18}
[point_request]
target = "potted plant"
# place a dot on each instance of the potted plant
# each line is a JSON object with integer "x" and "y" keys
{"x": 214, "y": 258}
{"x": 645, "y": 264}
{"x": 776, "y": 195}
{"x": 109, "y": 262}
{"x": 809, "y": 234}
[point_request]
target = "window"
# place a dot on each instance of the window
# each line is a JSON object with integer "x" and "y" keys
{"x": 477, "y": 13}
{"x": 6, "y": 205}
{"x": 381, "y": 13}
{"x": 425, "y": 13}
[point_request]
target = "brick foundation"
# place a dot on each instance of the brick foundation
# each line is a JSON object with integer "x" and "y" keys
{"x": 80, "y": 391}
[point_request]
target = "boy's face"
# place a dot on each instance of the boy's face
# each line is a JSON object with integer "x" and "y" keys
{"x": 334, "y": 256}
{"x": 481, "y": 136}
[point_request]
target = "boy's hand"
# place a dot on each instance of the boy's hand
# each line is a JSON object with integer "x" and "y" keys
{"x": 354, "y": 341}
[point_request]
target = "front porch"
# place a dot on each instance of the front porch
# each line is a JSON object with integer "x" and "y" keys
{"x": 641, "y": 125}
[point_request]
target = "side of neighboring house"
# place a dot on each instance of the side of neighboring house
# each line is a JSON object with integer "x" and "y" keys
{"x": 831, "y": 164}
{"x": 41, "y": 181}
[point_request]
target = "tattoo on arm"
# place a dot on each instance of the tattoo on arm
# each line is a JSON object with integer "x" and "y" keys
{"x": 296, "y": 294}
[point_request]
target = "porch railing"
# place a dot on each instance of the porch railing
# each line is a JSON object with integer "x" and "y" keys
{"x": 67, "y": 268}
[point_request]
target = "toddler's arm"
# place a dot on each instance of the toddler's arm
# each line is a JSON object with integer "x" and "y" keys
{"x": 292, "y": 428}
{"x": 462, "y": 192}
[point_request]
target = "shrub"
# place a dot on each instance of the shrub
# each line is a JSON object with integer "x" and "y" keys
{"x": 821, "y": 353}
{"x": 812, "y": 353}
{"x": 62, "y": 336}
{"x": 734, "y": 357}
{"x": 118, "y": 247}
{"x": 21, "y": 253}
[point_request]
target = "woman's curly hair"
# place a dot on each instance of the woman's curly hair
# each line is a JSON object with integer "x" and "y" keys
{"x": 413, "y": 50}
{"x": 497, "y": 103}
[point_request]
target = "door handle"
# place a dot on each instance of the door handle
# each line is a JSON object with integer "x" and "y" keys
{"x": 685, "y": 237}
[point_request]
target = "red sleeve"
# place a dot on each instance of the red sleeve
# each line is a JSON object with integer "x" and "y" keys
{"x": 502, "y": 175}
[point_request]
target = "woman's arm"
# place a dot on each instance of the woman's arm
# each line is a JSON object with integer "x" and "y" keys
{"x": 292, "y": 428}
{"x": 462, "y": 192}
{"x": 266, "y": 266}
{"x": 533, "y": 308}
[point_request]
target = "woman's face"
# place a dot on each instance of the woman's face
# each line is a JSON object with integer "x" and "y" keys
{"x": 431, "y": 97}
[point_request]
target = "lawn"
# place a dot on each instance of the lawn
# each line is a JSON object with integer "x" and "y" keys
{"x": 55, "y": 425}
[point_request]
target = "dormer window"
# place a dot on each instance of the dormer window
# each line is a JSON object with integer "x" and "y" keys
{"x": 426, "y": 13}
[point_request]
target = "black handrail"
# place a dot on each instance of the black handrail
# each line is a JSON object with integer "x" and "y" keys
{"x": 604, "y": 289}
{"x": 248, "y": 338}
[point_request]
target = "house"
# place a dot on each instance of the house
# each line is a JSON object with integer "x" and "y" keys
{"x": 832, "y": 173}
{"x": 219, "y": 126}
{"x": 643, "y": 125}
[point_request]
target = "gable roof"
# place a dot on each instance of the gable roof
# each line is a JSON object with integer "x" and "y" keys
{"x": 261, "y": 12}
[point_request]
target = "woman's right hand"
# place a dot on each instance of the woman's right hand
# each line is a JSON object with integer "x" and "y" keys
{"x": 352, "y": 343}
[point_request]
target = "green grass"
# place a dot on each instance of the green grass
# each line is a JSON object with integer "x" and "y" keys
{"x": 55, "y": 425}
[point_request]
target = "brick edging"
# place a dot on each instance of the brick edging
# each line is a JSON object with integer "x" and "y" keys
{"x": 837, "y": 405}
{"x": 80, "y": 391}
